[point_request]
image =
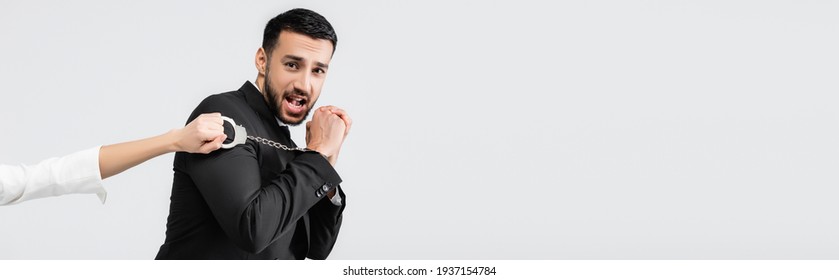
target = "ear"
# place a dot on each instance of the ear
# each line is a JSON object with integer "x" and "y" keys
{"x": 261, "y": 61}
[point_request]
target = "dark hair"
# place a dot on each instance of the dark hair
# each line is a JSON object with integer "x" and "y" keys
{"x": 301, "y": 21}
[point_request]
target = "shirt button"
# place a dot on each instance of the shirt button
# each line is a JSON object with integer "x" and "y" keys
{"x": 325, "y": 187}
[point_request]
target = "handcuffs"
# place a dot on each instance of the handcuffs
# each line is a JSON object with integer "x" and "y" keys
{"x": 240, "y": 134}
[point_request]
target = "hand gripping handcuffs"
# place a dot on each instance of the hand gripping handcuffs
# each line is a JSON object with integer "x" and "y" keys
{"x": 241, "y": 136}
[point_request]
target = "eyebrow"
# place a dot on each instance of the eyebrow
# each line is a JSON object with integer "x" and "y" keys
{"x": 297, "y": 58}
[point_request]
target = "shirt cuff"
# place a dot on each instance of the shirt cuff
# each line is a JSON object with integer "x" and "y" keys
{"x": 86, "y": 174}
{"x": 82, "y": 174}
{"x": 336, "y": 200}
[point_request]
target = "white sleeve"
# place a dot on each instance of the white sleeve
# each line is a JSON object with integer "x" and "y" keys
{"x": 336, "y": 199}
{"x": 74, "y": 173}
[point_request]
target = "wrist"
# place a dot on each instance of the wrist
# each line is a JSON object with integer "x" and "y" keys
{"x": 318, "y": 149}
{"x": 172, "y": 143}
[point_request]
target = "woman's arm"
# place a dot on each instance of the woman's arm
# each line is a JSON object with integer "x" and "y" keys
{"x": 203, "y": 135}
{"x": 83, "y": 171}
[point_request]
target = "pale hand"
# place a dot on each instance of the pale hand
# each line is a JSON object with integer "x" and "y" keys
{"x": 202, "y": 135}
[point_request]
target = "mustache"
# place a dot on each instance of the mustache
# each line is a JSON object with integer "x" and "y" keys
{"x": 296, "y": 91}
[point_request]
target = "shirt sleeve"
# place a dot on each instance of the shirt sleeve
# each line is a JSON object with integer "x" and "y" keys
{"x": 74, "y": 173}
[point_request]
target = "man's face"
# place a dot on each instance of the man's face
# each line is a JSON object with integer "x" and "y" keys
{"x": 294, "y": 75}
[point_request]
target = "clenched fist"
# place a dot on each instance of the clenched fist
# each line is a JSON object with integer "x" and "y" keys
{"x": 327, "y": 130}
{"x": 202, "y": 135}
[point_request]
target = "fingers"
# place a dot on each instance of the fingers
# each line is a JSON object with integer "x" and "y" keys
{"x": 338, "y": 111}
{"x": 333, "y": 113}
{"x": 204, "y": 134}
{"x": 320, "y": 112}
{"x": 209, "y": 126}
{"x": 341, "y": 113}
{"x": 212, "y": 117}
{"x": 336, "y": 120}
{"x": 210, "y": 120}
{"x": 212, "y": 145}
{"x": 345, "y": 117}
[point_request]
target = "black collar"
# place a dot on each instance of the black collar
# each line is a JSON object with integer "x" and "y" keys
{"x": 257, "y": 102}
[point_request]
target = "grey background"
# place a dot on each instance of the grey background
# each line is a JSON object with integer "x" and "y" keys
{"x": 483, "y": 129}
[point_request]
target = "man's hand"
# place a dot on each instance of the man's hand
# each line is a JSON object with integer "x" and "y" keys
{"x": 203, "y": 135}
{"x": 343, "y": 115}
{"x": 325, "y": 132}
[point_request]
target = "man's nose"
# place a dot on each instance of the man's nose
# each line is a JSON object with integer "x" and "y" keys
{"x": 303, "y": 81}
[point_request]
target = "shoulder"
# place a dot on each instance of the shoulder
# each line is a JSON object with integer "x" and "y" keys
{"x": 231, "y": 99}
{"x": 229, "y": 104}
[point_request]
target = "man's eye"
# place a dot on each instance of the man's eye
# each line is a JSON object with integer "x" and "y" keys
{"x": 291, "y": 65}
{"x": 319, "y": 71}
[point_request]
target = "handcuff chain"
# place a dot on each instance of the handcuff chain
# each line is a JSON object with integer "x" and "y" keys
{"x": 275, "y": 144}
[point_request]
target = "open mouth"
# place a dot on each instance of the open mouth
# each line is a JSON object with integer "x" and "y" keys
{"x": 296, "y": 104}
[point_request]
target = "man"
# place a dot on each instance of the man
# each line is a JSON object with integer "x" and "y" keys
{"x": 258, "y": 201}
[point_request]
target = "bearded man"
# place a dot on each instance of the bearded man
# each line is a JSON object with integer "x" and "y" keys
{"x": 266, "y": 198}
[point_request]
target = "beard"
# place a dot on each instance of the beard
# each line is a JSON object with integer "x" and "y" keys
{"x": 274, "y": 102}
